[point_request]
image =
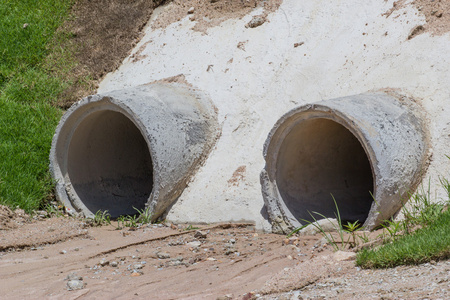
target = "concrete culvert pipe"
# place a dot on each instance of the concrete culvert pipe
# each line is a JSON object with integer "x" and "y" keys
{"x": 131, "y": 148}
{"x": 367, "y": 151}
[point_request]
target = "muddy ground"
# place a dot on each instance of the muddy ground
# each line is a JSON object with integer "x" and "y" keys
{"x": 38, "y": 257}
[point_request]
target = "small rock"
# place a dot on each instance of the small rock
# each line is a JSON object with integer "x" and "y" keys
{"x": 42, "y": 214}
{"x": 225, "y": 297}
{"x": 192, "y": 18}
{"x": 75, "y": 285}
{"x": 73, "y": 276}
{"x": 191, "y": 10}
{"x": 114, "y": 264}
{"x": 194, "y": 244}
{"x": 291, "y": 241}
{"x": 74, "y": 282}
{"x": 322, "y": 242}
{"x": 344, "y": 255}
{"x": 256, "y": 21}
{"x": 138, "y": 266}
{"x": 62, "y": 252}
{"x": 176, "y": 243}
{"x": 163, "y": 255}
{"x": 249, "y": 296}
{"x": 229, "y": 251}
{"x": 192, "y": 261}
{"x": 327, "y": 225}
{"x": 298, "y": 44}
{"x": 104, "y": 262}
{"x": 136, "y": 273}
{"x": 200, "y": 234}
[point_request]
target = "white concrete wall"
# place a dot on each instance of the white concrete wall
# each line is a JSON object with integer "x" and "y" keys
{"x": 349, "y": 48}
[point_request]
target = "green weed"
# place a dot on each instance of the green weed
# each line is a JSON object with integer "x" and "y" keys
{"x": 393, "y": 228}
{"x": 142, "y": 217}
{"x": 190, "y": 227}
{"x": 100, "y": 218}
{"x": 420, "y": 210}
{"x": 352, "y": 228}
{"x": 127, "y": 221}
{"x": 342, "y": 242}
{"x": 54, "y": 209}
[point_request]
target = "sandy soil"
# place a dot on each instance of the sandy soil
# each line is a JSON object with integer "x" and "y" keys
{"x": 436, "y": 12}
{"x": 222, "y": 261}
{"x": 211, "y": 13}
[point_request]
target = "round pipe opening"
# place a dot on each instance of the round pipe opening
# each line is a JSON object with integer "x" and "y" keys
{"x": 131, "y": 148}
{"x": 366, "y": 151}
{"x": 319, "y": 160}
{"x": 109, "y": 164}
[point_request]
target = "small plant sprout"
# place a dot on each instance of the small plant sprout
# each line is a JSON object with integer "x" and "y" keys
{"x": 100, "y": 218}
{"x": 393, "y": 228}
{"x": 352, "y": 228}
{"x": 190, "y": 227}
{"x": 364, "y": 238}
{"x": 145, "y": 216}
{"x": 142, "y": 217}
{"x": 329, "y": 237}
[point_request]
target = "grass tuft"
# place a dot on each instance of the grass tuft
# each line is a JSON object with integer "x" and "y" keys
{"x": 422, "y": 236}
{"x": 425, "y": 244}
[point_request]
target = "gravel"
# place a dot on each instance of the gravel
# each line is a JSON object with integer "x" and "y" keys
{"x": 427, "y": 281}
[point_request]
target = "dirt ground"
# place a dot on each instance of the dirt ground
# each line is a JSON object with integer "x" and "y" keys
{"x": 63, "y": 258}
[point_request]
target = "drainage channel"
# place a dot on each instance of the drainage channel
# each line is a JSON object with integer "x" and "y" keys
{"x": 132, "y": 148}
{"x": 366, "y": 152}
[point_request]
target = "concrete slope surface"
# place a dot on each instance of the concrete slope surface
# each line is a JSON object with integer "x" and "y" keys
{"x": 261, "y": 64}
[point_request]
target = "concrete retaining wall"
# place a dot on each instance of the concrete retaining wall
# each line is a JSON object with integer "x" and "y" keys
{"x": 305, "y": 52}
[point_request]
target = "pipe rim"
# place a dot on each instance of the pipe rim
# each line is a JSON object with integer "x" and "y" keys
{"x": 75, "y": 116}
{"x": 286, "y": 124}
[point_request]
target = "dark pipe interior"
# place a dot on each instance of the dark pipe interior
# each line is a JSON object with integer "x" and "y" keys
{"x": 320, "y": 157}
{"x": 109, "y": 164}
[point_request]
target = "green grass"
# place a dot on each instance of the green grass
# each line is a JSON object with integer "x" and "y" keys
{"x": 28, "y": 88}
{"x": 426, "y": 244}
{"x": 430, "y": 242}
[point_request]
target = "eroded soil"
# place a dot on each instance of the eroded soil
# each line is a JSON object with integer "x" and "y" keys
{"x": 168, "y": 261}
{"x": 436, "y": 13}
{"x": 165, "y": 262}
